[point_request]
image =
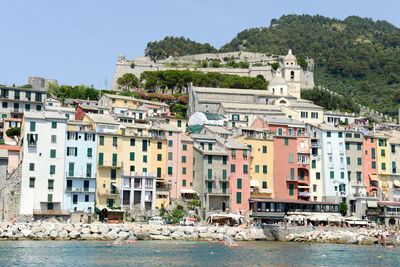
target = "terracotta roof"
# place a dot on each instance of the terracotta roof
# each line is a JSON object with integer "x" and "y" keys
{"x": 10, "y": 147}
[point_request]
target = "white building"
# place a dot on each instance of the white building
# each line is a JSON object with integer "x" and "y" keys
{"x": 43, "y": 156}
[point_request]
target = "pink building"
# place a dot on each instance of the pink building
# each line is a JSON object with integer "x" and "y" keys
{"x": 185, "y": 172}
{"x": 8, "y": 124}
{"x": 370, "y": 169}
{"x": 13, "y": 157}
{"x": 239, "y": 176}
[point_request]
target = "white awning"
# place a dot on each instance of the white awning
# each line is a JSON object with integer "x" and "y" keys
{"x": 372, "y": 203}
{"x": 254, "y": 183}
{"x": 396, "y": 183}
{"x": 187, "y": 191}
{"x": 303, "y": 186}
{"x": 116, "y": 185}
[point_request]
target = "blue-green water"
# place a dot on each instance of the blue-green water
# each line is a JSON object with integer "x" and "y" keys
{"x": 182, "y": 253}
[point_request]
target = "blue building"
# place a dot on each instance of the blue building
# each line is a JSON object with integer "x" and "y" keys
{"x": 80, "y": 167}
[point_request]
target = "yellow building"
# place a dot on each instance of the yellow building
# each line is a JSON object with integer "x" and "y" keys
{"x": 158, "y": 162}
{"x": 261, "y": 161}
{"x": 111, "y": 101}
{"x": 382, "y": 147}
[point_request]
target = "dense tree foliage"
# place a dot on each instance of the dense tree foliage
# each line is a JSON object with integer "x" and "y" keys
{"x": 128, "y": 81}
{"x": 76, "y": 92}
{"x": 14, "y": 133}
{"x": 330, "y": 102}
{"x": 178, "y": 79}
{"x": 176, "y": 46}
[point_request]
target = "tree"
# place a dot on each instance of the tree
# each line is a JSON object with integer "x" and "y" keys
{"x": 302, "y": 62}
{"x": 343, "y": 208}
{"x": 14, "y": 133}
{"x": 26, "y": 86}
{"x": 132, "y": 65}
{"x": 274, "y": 65}
{"x": 393, "y": 78}
{"x": 396, "y": 96}
{"x": 128, "y": 81}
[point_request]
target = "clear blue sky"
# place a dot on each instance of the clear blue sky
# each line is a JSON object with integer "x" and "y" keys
{"x": 78, "y": 41}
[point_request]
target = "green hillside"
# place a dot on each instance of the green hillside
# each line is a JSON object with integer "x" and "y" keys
{"x": 356, "y": 57}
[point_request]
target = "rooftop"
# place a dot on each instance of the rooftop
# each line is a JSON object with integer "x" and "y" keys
{"x": 102, "y": 118}
{"x": 24, "y": 89}
{"x": 42, "y": 115}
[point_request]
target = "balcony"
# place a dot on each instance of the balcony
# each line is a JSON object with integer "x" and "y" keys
{"x": 141, "y": 174}
{"x": 315, "y": 144}
{"x": 109, "y": 193}
{"x": 80, "y": 190}
{"x": 51, "y": 212}
{"x": 109, "y": 164}
{"x": 296, "y": 178}
{"x": 73, "y": 176}
{"x": 304, "y": 194}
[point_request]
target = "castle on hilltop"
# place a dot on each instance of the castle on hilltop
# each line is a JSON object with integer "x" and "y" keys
{"x": 295, "y": 76}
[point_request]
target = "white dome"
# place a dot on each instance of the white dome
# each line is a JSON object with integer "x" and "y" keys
{"x": 289, "y": 56}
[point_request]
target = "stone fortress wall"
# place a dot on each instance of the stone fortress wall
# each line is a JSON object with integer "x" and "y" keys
{"x": 189, "y": 63}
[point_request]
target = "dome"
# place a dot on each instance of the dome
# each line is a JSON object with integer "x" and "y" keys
{"x": 278, "y": 79}
{"x": 289, "y": 56}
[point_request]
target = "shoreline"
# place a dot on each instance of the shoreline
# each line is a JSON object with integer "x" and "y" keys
{"x": 43, "y": 231}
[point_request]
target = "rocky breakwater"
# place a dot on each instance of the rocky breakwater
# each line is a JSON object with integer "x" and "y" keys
{"x": 132, "y": 231}
{"x": 360, "y": 236}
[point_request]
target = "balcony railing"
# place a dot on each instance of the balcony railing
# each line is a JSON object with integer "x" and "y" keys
{"x": 296, "y": 178}
{"x": 80, "y": 189}
{"x": 81, "y": 176}
{"x": 142, "y": 174}
{"x": 109, "y": 193}
{"x": 304, "y": 194}
{"x": 109, "y": 164}
{"x": 315, "y": 144}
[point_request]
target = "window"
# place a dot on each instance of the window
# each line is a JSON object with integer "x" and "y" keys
{"x": 233, "y": 153}
{"x": 224, "y": 160}
{"x": 31, "y": 166}
{"x": 101, "y": 140}
{"x": 328, "y": 134}
{"x": 318, "y": 176}
{"x": 52, "y": 153}
{"x": 50, "y": 184}
{"x": 393, "y": 147}
{"x": 290, "y": 157}
{"x": 314, "y": 188}
{"x": 71, "y": 167}
{"x": 348, "y": 160}
{"x": 144, "y": 158}
{"x": 264, "y": 184}
{"x": 332, "y": 174}
{"x": 31, "y": 182}
{"x": 264, "y": 149}
{"x": 257, "y": 168}
{"x": 101, "y": 158}
{"x": 292, "y": 173}
{"x": 169, "y": 170}
{"x": 210, "y": 146}
{"x": 88, "y": 170}
{"x": 265, "y": 169}
{"x": 340, "y": 134}
{"x": 169, "y": 155}
{"x": 89, "y": 152}
{"x": 114, "y": 159}
{"x": 286, "y": 141}
{"x": 33, "y": 126}
{"x": 280, "y": 131}
{"x": 133, "y": 141}
{"x": 183, "y": 182}
{"x": 170, "y": 143}
{"x": 359, "y": 161}
{"x": 239, "y": 183}
{"x": 184, "y": 170}
{"x": 373, "y": 153}
{"x": 169, "y": 133}
{"x": 5, "y": 105}
{"x": 347, "y": 146}
{"x": 291, "y": 189}
{"x": 159, "y": 145}
{"x": 313, "y": 164}
{"x": 32, "y": 139}
{"x": 179, "y": 123}
{"x": 341, "y": 175}
{"x": 394, "y": 166}
{"x": 113, "y": 174}
{"x": 359, "y": 146}
{"x": 224, "y": 176}
{"x": 245, "y": 154}
{"x": 54, "y": 139}
{"x": 115, "y": 141}
{"x": 28, "y": 95}
{"x": 72, "y": 151}
{"x": 52, "y": 169}
{"x": 233, "y": 168}
{"x": 349, "y": 135}
{"x": 159, "y": 157}
{"x": 184, "y": 147}
{"x": 209, "y": 173}
{"x": 245, "y": 169}
{"x": 373, "y": 164}
{"x": 54, "y": 125}
{"x": 238, "y": 197}
{"x": 86, "y": 198}
{"x": 383, "y": 153}
{"x": 27, "y": 107}
{"x": 158, "y": 172}
{"x": 50, "y": 198}
{"x": 383, "y": 166}
{"x": 209, "y": 159}
{"x": 357, "y": 136}
{"x": 382, "y": 142}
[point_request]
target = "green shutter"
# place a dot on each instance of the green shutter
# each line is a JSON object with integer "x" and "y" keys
{"x": 33, "y": 126}
{"x": 209, "y": 173}
{"x": 342, "y": 175}
{"x": 239, "y": 183}
{"x": 373, "y": 164}
{"x": 184, "y": 170}
{"x": 290, "y": 157}
{"x": 257, "y": 168}
{"x": 183, "y": 182}
{"x": 233, "y": 168}
{"x": 101, "y": 159}
{"x": 292, "y": 173}
{"x": 89, "y": 152}
{"x": 224, "y": 176}
{"x": 132, "y": 156}
{"x": 313, "y": 164}
{"x": 169, "y": 170}
{"x": 238, "y": 197}
{"x": 101, "y": 140}
{"x": 291, "y": 189}
{"x": 71, "y": 169}
{"x": 114, "y": 159}
{"x": 286, "y": 141}
{"x": 184, "y": 147}
{"x": 265, "y": 169}
{"x": 113, "y": 174}
{"x": 88, "y": 170}
{"x": 332, "y": 174}
{"x": 52, "y": 169}
{"x": 265, "y": 149}
{"x": 245, "y": 169}
{"x": 52, "y": 153}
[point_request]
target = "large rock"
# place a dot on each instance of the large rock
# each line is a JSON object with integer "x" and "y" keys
{"x": 26, "y": 233}
{"x": 86, "y": 236}
{"x": 142, "y": 235}
{"x": 160, "y": 237}
{"x": 69, "y": 228}
{"x": 40, "y": 236}
{"x": 85, "y": 231}
{"x": 165, "y": 231}
{"x": 116, "y": 229}
{"x": 221, "y": 230}
{"x": 231, "y": 232}
{"x": 74, "y": 234}
{"x": 202, "y": 229}
{"x": 94, "y": 228}
{"x": 125, "y": 228}
{"x": 53, "y": 234}
{"x": 37, "y": 229}
{"x": 258, "y": 234}
{"x": 239, "y": 236}
{"x": 104, "y": 229}
{"x": 123, "y": 235}
{"x": 153, "y": 231}
{"x": 111, "y": 235}
{"x": 177, "y": 235}
{"x": 63, "y": 234}
{"x": 189, "y": 230}
{"x": 206, "y": 236}
{"x": 96, "y": 236}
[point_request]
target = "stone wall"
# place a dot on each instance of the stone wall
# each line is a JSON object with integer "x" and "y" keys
{"x": 11, "y": 195}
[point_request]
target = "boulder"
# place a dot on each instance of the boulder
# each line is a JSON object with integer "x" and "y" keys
{"x": 69, "y": 228}
{"x": 94, "y": 228}
{"x": 205, "y": 236}
{"x": 96, "y": 236}
{"x": 40, "y": 236}
{"x": 165, "y": 231}
{"x": 116, "y": 229}
{"x": 221, "y": 230}
{"x": 36, "y": 229}
{"x": 160, "y": 237}
{"x": 177, "y": 235}
{"x": 53, "y": 234}
{"x": 85, "y": 231}
{"x": 239, "y": 237}
{"x": 125, "y": 228}
{"x": 26, "y": 233}
{"x": 103, "y": 229}
{"x": 202, "y": 229}
{"x": 86, "y": 236}
{"x": 153, "y": 231}
{"x": 111, "y": 235}
{"x": 258, "y": 234}
{"x": 189, "y": 230}
{"x": 146, "y": 227}
{"x": 63, "y": 234}
{"x": 142, "y": 235}
{"x": 231, "y": 232}
{"x": 74, "y": 234}
{"x": 123, "y": 235}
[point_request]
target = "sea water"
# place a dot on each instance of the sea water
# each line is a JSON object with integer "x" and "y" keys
{"x": 191, "y": 253}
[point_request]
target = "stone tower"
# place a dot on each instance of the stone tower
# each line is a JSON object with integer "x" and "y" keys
{"x": 291, "y": 73}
